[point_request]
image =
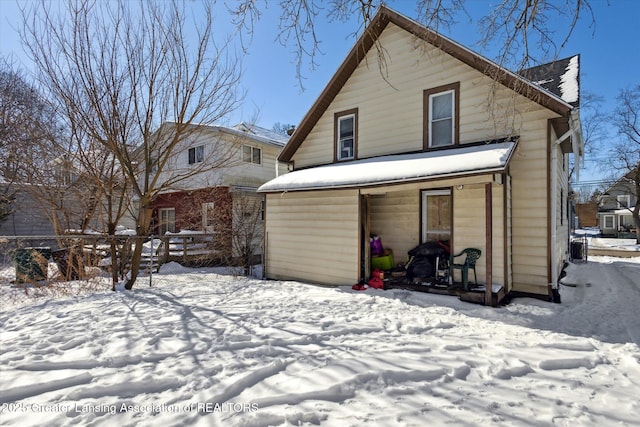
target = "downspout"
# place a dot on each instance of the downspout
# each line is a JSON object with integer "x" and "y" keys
{"x": 554, "y": 211}
{"x": 575, "y": 133}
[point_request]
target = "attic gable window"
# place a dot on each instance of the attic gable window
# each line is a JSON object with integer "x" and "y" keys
{"x": 346, "y": 126}
{"x": 442, "y": 118}
{"x": 196, "y": 154}
{"x": 623, "y": 201}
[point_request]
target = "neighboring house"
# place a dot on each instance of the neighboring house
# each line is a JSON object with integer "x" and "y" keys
{"x": 615, "y": 212}
{"x": 438, "y": 143}
{"x": 217, "y": 201}
{"x": 26, "y": 217}
{"x": 63, "y": 203}
{"x": 587, "y": 214}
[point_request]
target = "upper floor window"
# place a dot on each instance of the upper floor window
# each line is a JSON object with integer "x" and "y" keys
{"x": 441, "y": 121}
{"x": 252, "y": 154}
{"x": 196, "y": 154}
{"x": 346, "y": 124}
{"x": 624, "y": 201}
{"x": 66, "y": 177}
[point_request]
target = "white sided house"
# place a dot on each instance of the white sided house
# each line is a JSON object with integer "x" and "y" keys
{"x": 435, "y": 143}
{"x": 223, "y": 166}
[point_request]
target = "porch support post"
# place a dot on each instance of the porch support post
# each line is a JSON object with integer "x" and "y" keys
{"x": 488, "y": 200}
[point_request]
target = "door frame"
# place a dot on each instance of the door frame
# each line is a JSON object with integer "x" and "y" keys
{"x": 423, "y": 211}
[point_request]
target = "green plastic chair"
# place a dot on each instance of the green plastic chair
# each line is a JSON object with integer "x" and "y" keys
{"x": 472, "y": 256}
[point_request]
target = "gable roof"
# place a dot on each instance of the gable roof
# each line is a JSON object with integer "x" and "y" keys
{"x": 560, "y": 77}
{"x": 242, "y": 130}
{"x": 628, "y": 178}
{"x": 372, "y": 32}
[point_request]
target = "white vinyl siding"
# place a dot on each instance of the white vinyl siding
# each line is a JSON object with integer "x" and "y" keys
{"x": 469, "y": 223}
{"x": 395, "y": 217}
{"x": 530, "y": 210}
{"x": 396, "y": 112}
{"x": 393, "y": 121}
{"x": 313, "y": 236}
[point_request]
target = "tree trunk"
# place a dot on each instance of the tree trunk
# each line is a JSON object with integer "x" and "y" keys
{"x": 113, "y": 252}
{"x": 143, "y": 230}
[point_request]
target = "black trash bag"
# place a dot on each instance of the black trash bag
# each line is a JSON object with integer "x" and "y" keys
{"x": 428, "y": 249}
{"x": 421, "y": 267}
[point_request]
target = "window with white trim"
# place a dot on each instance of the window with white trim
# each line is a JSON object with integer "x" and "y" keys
{"x": 196, "y": 154}
{"x": 441, "y": 116}
{"x": 251, "y": 155}
{"x": 346, "y": 135}
{"x": 609, "y": 221}
{"x": 624, "y": 201}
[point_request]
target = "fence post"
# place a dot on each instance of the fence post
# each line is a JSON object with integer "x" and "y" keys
{"x": 184, "y": 250}
{"x": 165, "y": 240}
{"x": 151, "y": 262}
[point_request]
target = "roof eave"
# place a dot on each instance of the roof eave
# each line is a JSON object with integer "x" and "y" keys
{"x": 366, "y": 41}
{"x": 438, "y": 177}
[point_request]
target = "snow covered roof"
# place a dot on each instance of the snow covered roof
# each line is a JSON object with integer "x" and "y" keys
{"x": 262, "y": 132}
{"x": 244, "y": 130}
{"x": 401, "y": 168}
{"x": 561, "y": 77}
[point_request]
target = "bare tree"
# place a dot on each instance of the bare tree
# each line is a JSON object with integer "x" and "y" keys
{"x": 35, "y": 153}
{"x": 247, "y": 228}
{"x": 519, "y": 27}
{"x": 285, "y": 129}
{"x": 119, "y": 70}
{"x": 625, "y": 154}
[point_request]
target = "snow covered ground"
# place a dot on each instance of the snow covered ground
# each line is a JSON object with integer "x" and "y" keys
{"x": 200, "y": 348}
{"x": 617, "y": 244}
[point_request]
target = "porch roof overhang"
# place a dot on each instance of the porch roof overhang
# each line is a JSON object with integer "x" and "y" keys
{"x": 397, "y": 169}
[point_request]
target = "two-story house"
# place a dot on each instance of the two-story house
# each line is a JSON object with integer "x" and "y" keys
{"x": 213, "y": 200}
{"x": 615, "y": 208}
{"x": 438, "y": 143}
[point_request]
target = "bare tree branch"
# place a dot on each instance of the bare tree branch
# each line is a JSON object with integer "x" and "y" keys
{"x": 519, "y": 27}
{"x": 119, "y": 70}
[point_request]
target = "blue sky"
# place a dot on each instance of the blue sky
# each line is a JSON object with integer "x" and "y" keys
{"x": 610, "y": 57}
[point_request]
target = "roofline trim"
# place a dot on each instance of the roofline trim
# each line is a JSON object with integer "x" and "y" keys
{"x": 364, "y": 43}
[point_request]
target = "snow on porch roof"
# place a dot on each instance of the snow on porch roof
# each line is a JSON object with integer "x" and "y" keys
{"x": 395, "y": 169}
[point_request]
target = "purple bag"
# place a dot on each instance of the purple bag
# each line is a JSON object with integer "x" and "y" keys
{"x": 376, "y": 246}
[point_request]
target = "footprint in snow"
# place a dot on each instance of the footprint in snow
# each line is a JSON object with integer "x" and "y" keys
{"x": 556, "y": 364}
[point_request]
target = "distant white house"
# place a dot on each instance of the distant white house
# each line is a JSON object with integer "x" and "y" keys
{"x": 214, "y": 201}
{"x": 615, "y": 211}
{"x": 26, "y": 218}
